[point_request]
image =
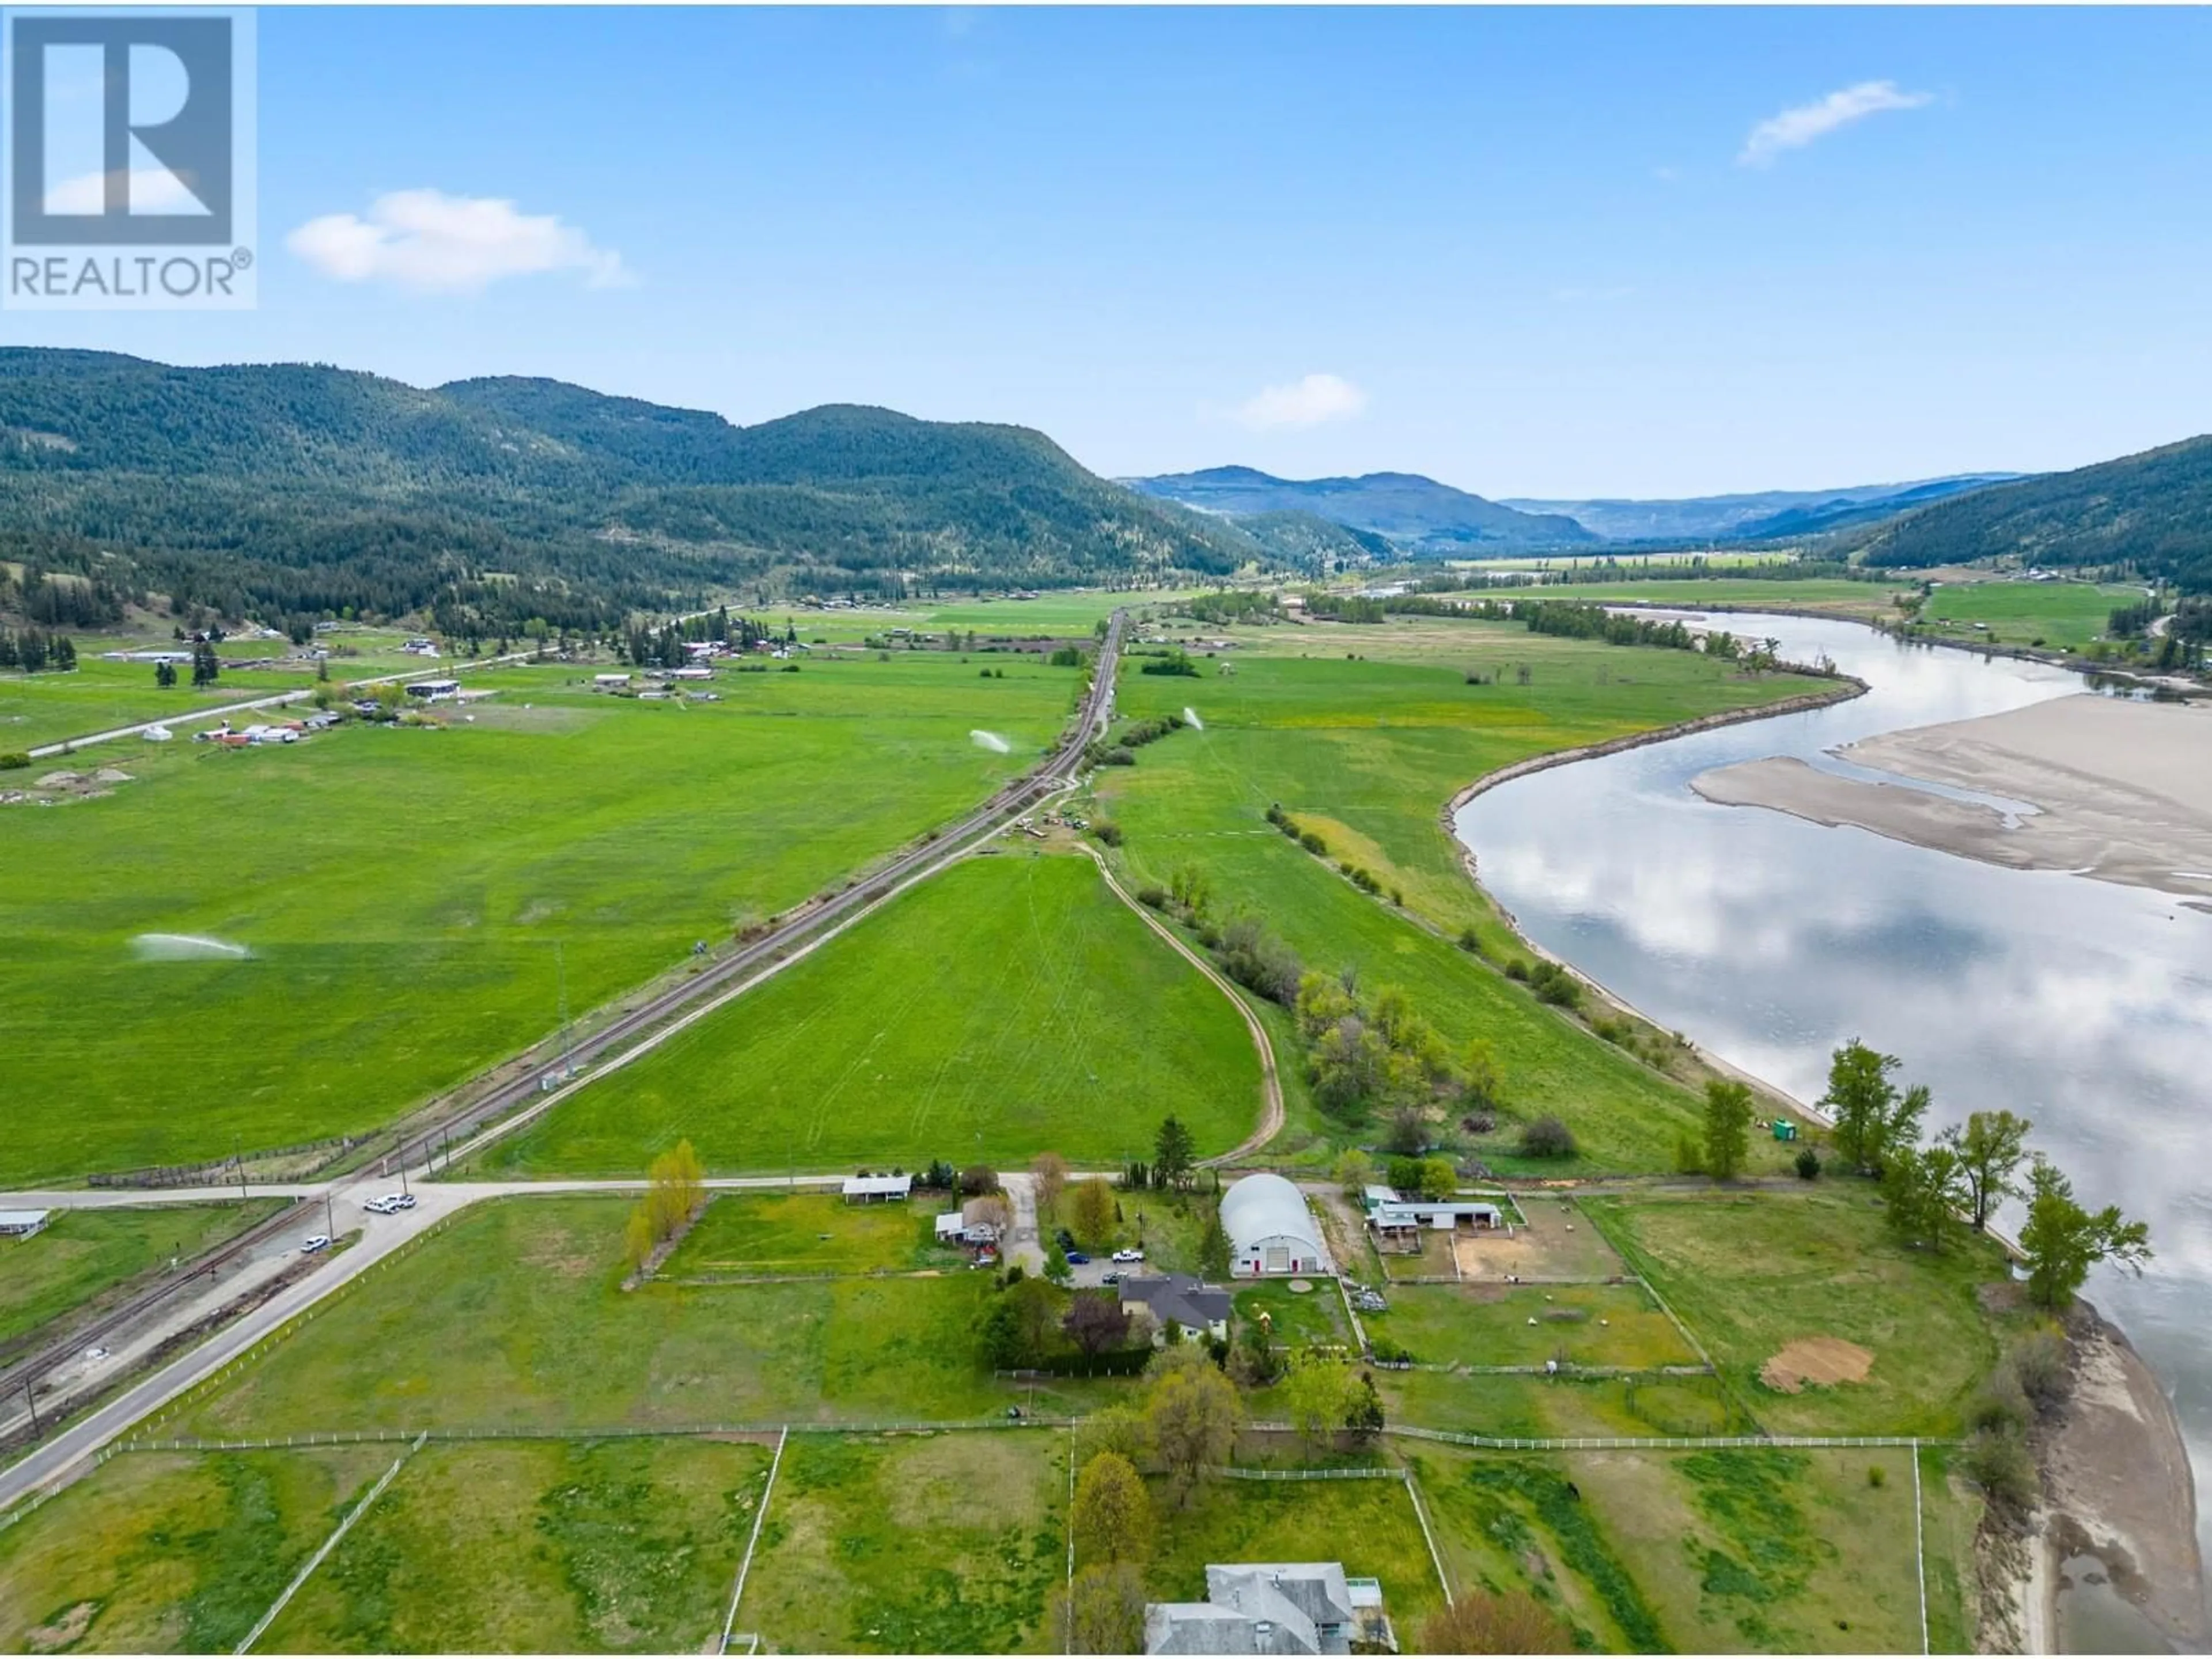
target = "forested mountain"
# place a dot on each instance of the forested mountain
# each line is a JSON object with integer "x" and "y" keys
{"x": 1306, "y": 542}
{"x": 1760, "y": 514}
{"x": 2151, "y": 512}
{"x": 289, "y": 490}
{"x": 1418, "y": 514}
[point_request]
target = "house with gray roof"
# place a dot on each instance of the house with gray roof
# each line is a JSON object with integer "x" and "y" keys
{"x": 1272, "y": 1608}
{"x": 1201, "y": 1309}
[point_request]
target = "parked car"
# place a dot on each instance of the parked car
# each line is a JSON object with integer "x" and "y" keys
{"x": 399, "y": 1200}
{"x": 319, "y": 1241}
{"x": 1129, "y": 1255}
{"x": 1110, "y": 1279}
{"x": 378, "y": 1206}
{"x": 1076, "y": 1258}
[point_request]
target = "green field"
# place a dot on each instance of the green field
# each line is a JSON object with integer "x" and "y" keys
{"x": 2065, "y": 615}
{"x": 1826, "y": 595}
{"x": 912, "y": 1544}
{"x": 1711, "y": 1551}
{"x": 87, "y": 1253}
{"x": 1296, "y": 1319}
{"x": 513, "y": 1318}
{"x": 1752, "y": 1274}
{"x": 1010, "y": 1005}
{"x": 1365, "y": 748}
{"x": 401, "y": 891}
{"x": 761, "y": 1234}
{"x": 610, "y": 1546}
{"x": 162, "y": 1552}
{"x": 1609, "y": 1325}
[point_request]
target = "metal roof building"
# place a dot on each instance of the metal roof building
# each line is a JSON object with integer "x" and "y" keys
{"x": 870, "y": 1189}
{"x": 1270, "y": 1229}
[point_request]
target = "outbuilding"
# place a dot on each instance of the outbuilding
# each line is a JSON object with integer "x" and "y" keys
{"x": 878, "y": 1189}
{"x": 1270, "y": 1229}
{"x": 22, "y": 1224}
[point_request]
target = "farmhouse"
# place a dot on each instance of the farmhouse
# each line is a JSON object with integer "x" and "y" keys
{"x": 1291, "y": 1608}
{"x": 22, "y": 1224}
{"x": 878, "y": 1189}
{"x": 1198, "y": 1308}
{"x": 1270, "y": 1229}
{"x": 970, "y": 1224}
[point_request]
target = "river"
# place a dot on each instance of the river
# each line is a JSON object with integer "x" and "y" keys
{"x": 1769, "y": 941}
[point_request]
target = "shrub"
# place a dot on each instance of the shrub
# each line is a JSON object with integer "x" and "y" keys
{"x": 2039, "y": 1367}
{"x": 1876, "y": 1475}
{"x": 1313, "y": 844}
{"x": 1548, "y": 1138}
{"x": 1555, "y": 985}
{"x": 1470, "y": 941}
{"x": 1518, "y": 970}
{"x": 1108, "y": 831}
{"x": 1258, "y": 960}
{"x": 2000, "y": 1465}
{"x": 13, "y": 760}
{"x": 1808, "y": 1163}
{"x": 1388, "y": 1352}
{"x": 2000, "y": 1408}
{"x": 1152, "y": 896}
{"x": 1117, "y": 757}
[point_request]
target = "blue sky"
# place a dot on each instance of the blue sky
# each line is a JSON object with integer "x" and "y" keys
{"x": 1530, "y": 252}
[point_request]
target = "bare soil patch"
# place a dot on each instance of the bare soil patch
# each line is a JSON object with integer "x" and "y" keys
{"x": 1558, "y": 1243}
{"x": 1822, "y": 1359}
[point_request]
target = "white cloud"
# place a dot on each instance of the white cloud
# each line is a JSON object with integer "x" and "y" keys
{"x": 434, "y": 243}
{"x": 1308, "y": 402}
{"x": 1796, "y": 128}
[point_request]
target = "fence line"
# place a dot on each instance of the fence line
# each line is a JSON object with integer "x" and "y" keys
{"x": 1920, "y": 1549}
{"x": 322, "y": 1554}
{"x": 1227, "y": 1471}
{"x": 1658, "y": 1443}
{"x": 1421, "y": 1515}
{"x": 738, "y": 1591}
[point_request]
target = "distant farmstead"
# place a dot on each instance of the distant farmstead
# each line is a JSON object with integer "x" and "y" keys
{"x": 1270, "y": 1229}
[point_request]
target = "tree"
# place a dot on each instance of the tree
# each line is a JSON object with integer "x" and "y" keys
{"x": 2063, "y": 1241}
{"x": 1095, "y": 1322}
{"x": 1113, "y": 1516}
{"x": 1101, "y": 1610}
{"x": 1354, "y": 1172}
{"x": 1727, "y": 1127}
{"x": 1863, "y": 1102}
{"x": 206, "y": 670}
{"x": 637, "y": 1238}
{"x": 1920, "y": 1189}
{"x": 1118, "y": 1428}
{"x": 1092, "y": 1202}
{"x": 1193, "y": 1414}
{"x": 165, "y": 674}
{"x": 1036, "y": 1308}
{"x": 1479, "y": 1622}
{"x": 1991, "y": 1148}
{"x": 1548, "y": 1138}
{"x": 992, "y": 1210}
{"x": 1438, "y": 1179}
{"x": 1056, "y": 1266}
{"x": 1047, "y": 1180}
{"x": 676, "y": 1185}
{"x": 1481, "y": 1083}
{"x": 1362, "y": 1416}
{"x": 1173, "y": 1151}
{"x": 978, "y": 1179}
{"x": 1213, "y": 1247}
{"x": 1318, "y": 1396}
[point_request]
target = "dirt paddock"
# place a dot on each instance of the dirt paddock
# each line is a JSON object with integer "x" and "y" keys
{"x": 1821, "y": 1359}
{"x": 1558, "y": 1243}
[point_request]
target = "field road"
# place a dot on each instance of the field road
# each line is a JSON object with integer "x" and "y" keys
{"x": 274, "y": 699}
{"x": 66, "y": 1454}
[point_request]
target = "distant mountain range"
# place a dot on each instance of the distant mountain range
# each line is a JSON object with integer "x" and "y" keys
{"x": 1414, "y": 513}
{"x": 1758, "y": 515}
{"x": 2152, "y": 512}
{"x": 294, "y": 490}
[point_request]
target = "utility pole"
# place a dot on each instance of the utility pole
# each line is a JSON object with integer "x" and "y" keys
{"x": 31, "y": 1400}
{"x": 561, "y": 985}
{"x": 238, "y": 1162}
{"x": 329, "y": 1219}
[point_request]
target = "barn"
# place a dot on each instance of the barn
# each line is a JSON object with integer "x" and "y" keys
{"x": 1270, "y": 1229}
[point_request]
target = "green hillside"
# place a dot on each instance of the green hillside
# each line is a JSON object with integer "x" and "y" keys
{"x": 2150, "y": 512}
{"x": 288, "y": 490}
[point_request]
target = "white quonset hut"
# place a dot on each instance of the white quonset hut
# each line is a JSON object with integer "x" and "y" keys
{"x": 1270, "y": 1229}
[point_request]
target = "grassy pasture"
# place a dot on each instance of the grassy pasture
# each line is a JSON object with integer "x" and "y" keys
{"x": 1614, "y": 1325}
{"x": 1711, "y": 1551}
{"x": 543, "y": 1547}
{"x": 1299, "y": 1320}
{"x": 403, "y": 891}
{"x": 1828, "y": 596}
{"x": 2062, "y": 615}
{"x": 512, "y": 1317}
{"x": 767, "y": 1233}
{"x": 912, "y": 1544}
{"x": 167, "y": 1552}
{"x": 1751, "y": 1274}
{"x": 1011, "y": 1005}
{"x": 84, "y": 1254}
{"x": 1373, "y": 731}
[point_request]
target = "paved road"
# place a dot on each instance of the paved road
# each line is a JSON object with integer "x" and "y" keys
{"x": 65, "y": 1455}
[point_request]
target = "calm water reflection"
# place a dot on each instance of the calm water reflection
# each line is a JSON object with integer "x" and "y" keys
{"x": 1768, "y": 941}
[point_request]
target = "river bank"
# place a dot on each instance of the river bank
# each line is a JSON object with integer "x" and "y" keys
{"x": 2119, "y": 1493}
{"x": 2120, "y": 788}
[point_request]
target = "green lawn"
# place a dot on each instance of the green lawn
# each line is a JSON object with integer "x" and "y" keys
{"x": 1010, "y": 1005}
{"x": 1751, "y": 1274}
{"x": 86, "y": 1253}
{"x": 767, "y": 1233}
{"x": 2062, "y": 615}
{"x": 1614, "y": 1325}
{"x": 403, "y": 893}
{"x": 1296, "y": 1319}
{"x": 912, "y": 1544}
{"x": 1368, "y": 1525}
{"x": 1365, "y": 752}
{"x": 512, "y": 1317}
{"x": 547, "y": 1546}
{"x": 160, "y": 1552}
